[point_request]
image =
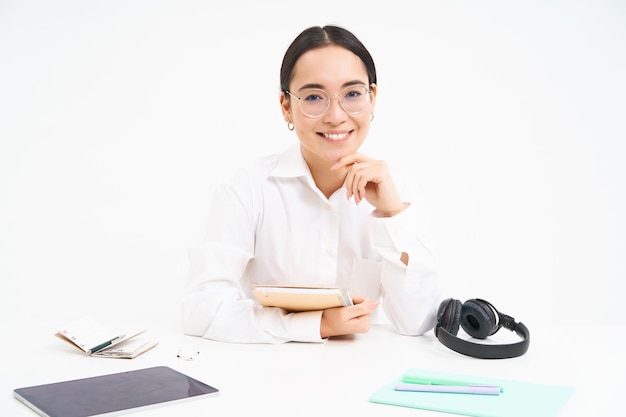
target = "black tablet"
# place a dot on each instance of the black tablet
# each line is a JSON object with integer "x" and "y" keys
{"x": 113, "y": 394}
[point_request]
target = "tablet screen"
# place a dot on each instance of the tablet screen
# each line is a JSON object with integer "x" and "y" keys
{"x": 113, "y": 394}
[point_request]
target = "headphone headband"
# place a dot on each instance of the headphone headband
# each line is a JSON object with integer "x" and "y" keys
{"x": 484, "y": 351}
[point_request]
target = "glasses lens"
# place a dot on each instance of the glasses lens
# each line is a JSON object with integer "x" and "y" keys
{"x": 314, "y": 102}
{"x": 354, "y": 99}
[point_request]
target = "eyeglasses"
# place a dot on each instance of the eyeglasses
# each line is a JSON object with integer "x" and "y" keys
{"x": 315, "y": 102}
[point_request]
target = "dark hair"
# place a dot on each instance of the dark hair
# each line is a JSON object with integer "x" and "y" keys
{"x": 316, "y": 37}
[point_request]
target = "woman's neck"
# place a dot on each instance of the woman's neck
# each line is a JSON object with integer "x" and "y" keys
{"x": 326, "y": 180}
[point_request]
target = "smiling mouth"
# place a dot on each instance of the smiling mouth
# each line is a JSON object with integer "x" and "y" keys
{"x": 335, "y": 136}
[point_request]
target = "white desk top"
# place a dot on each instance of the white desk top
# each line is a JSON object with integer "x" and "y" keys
{"x": 333, "y": 378}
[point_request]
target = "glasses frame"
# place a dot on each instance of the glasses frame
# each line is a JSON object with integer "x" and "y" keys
{"x": 369, "y": 90}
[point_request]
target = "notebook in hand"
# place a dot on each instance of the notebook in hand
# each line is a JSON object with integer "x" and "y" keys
{"x": 113, "y": 394}
{"x": 296, "y": 298}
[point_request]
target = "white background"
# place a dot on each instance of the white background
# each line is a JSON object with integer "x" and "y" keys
{"x": 118, "y": 117}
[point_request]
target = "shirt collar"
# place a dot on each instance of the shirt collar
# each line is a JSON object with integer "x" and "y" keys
{"x": 291, "y": 164}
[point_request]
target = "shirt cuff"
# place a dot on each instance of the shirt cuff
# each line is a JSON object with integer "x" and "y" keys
{"x": 395, "y": 232}
{"x": 305, "y": 326}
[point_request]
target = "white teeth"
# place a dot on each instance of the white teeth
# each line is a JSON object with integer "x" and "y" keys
{"x": 335, "y": 136}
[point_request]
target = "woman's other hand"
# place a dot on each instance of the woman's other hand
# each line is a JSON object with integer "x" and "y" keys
{"x": 370, "y": 179}
{"x": 353, "y": 319}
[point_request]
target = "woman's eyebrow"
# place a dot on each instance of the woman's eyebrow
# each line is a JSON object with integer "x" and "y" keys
{"x": 321, "y": 87}
{"x": 310, "y": 85}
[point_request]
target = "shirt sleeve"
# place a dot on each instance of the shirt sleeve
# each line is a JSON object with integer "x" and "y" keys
{"x": 215, "y": 306}
{"x": 411, "y": 293}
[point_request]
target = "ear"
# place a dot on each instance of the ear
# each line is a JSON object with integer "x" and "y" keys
{"x": 374, "y": 88}
{"x": 285, "y": 106}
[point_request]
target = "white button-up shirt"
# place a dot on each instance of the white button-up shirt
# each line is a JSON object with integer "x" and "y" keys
{"x": 270, "y": 224}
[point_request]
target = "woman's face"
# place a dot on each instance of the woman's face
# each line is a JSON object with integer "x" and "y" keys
{"x": 325, "y": 139}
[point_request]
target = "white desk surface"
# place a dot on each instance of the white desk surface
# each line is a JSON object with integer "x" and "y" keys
{"x": 330, "y": 379}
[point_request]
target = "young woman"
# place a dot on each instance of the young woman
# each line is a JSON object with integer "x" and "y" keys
{"x": 319, "y": 214}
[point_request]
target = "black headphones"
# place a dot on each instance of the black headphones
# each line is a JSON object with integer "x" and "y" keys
{"x": 479, "y": 319}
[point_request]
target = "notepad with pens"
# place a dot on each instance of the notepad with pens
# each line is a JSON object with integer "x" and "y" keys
{"x": 472, "y": 395}
{"x": 96, "y": 339}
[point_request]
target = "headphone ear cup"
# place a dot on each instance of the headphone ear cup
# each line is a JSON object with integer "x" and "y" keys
{"x": 449, "y": 315}
{"x": 478, "y": 318}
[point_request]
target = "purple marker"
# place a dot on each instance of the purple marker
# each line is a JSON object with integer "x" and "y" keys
{"x": 457, "y": 389}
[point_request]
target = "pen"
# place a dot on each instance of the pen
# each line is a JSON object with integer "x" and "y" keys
{"x": 457, "y": 389}
{"x": 105, "y": 344}
{"x": 442, "y": 381}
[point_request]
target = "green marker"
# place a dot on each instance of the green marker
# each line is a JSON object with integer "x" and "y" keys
{"x": 411, "y": 379}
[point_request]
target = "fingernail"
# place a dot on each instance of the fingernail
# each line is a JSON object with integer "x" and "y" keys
{"x": 373, "y": 304}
